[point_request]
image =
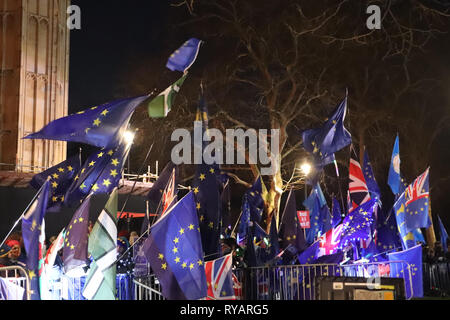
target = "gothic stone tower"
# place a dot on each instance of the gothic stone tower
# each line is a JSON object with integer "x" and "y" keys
{"x": 34, "y": 65}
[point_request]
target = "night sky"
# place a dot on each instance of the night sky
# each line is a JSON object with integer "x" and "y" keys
{"x": 117, "y": 33}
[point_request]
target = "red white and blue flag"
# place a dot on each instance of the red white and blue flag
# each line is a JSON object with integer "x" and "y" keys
{"x": 169, "y": 195}
{"x": 359, "y": 193}
{"x": 417, "y": 203}
{"x": 219, "y": 279}
{"x": 328, "y": 243}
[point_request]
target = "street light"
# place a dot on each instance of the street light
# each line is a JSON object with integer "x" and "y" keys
{"x": 306, "y": 168}
{"x": 128, "y": 136}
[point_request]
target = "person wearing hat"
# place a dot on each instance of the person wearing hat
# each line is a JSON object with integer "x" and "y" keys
{"x": 15, "y": 253}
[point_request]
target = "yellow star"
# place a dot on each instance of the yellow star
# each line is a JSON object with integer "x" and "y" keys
{"x": 115, "y": 162}
{"x": 100, "y": 155}
{"x": 106, "y": 182}
{"x": 70, "y": 168}
{"x": 211, "y": 170}
{"x": 184, "y": 265}
{"x": 95, "y": 187}
{"x": 80, "y": 219}
{"x": 110, "y": 152}
{"x": 114, "y": 173}
{"x": 202, "y": 177}
{"x": 198, "y": 205}
{"x": 61, "y": 169}
{"x": 91, "y": 164}
{"x": 211, "y": 225}
{"x": 54, "y": 199}
{"x": 202, "y": 217}
{"x": 164, "y": 266}
{"x": 181, "y": 231}
{"x": 196, "y": 190}
{"x": 31, "y": 274}
{"x": 191, "y": 266}
{"x": 76, "y": 178}
{"x": 82, "y": 186}
{"x": 177, "y": 260}
{"x": 54, "y": 184}
{"x": 176, "y": 240}
{"x": 160, "y": 256}
{"x": 191, "y": 227}
{"x": 55, "y": 176}
{"x": 104, "y": 113}
{"x": 72, "y": 247}
{"x": 97, "y": 122}
{"x": 200, "y": 262}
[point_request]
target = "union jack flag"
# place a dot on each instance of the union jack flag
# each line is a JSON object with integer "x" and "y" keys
{"x": 169, "y": 195}
{"x": 359, "y": 193}
{"x": 328, "y": 243}
{"x": 417, "y": 203}
{"x": 219, "y": 279}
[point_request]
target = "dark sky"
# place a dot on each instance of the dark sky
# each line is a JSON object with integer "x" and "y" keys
{"x": 112, "y": 32}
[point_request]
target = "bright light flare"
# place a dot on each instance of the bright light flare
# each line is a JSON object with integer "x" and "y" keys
{"x": 306, "y": 168}
{"x": 129, "y": 137}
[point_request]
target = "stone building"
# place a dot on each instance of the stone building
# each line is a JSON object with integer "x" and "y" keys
{"x": 34, "y": 66}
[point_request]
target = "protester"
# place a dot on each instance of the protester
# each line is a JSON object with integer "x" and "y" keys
{"x": 14, "y": 255}
{"x": 133, "y": 237}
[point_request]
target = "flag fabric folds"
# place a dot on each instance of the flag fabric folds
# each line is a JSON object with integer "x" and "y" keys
{"x": 410, "y": 270}
{"x": 156, "y": 191}
{"x": 336, "y": 215}
{"x": 174, "y": 250}
{"x": 243, "y": 222}
{"x": 329, "y": 242}
{"x": 444, "y": 235}
{"x": 406, "y": 236}
{"x": 184, "y": 57}
{"x": 291, "y": 232}
{"x": 331, "y": 137}
{"x": 371, "y": 183}
{"x": 394, "y": 170}
{"x": 388, "y": 236}
{"x": 160, "y": 106}
{"x": 101, "y": 278}
{"x": 100, "y": 126}
{"x": 357, "y": 225}
{"x": 417, "y": 199}
{"x": 255, "y": 200}
{"x": 358, "y": 191}
{"x": 100, "y": 173}
{"x": 75, "y": 250}
{"x": 61, "y": 177}
{"x": 32, "y": 228}
{"x": 219, "y": 278}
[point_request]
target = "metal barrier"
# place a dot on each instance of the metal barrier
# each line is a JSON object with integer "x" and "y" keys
{"x": 436, "y": 279}
{"x": 17, "y": 283}
{"x": 147, "y": 288}
{"x": 297, "y": 282}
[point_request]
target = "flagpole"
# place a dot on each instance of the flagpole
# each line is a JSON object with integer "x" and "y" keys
{"x": 23, "y": 214}
{"x": 339, "y": 184}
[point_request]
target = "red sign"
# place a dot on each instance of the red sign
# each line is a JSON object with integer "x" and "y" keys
{"x": 303, "y": 218}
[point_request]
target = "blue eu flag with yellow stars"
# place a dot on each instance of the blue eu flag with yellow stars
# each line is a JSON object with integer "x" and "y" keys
{"x": 100, "y": 173}
{"x": 331, "y": 137}
{"x": 184, "y": 57}
{"x": 407, "y": 237}
{"x": 409, "y": 267}
{"x": 309, "y": 255}
{"x": 255, "y": 200}
{"x": 388, "y": 236}
{"x": 394, "y": 179}
{"x": 61, "y": 177}
{"x": 75, "y": 250}
{"x": 244, "y": 221}
{"x": 208, "y": 204}
{"x": 291, "y": 232}
{"x": 32, "y": 227}
{"x": 336, "y": 215}
{"x": 101, "y": 126}
{"x": 357, "y": 225}
{"x": 174, "y": 250}
{"x": 371, "y": 183}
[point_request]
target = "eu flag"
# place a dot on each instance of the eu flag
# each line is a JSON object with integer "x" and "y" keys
{"x": 100, "y": 173}
{"x": 255, "y": 200}
{"x": 316, "y": 224}
{"x": 372, "y": 184}
{"x": 417, "y": 199}
{"x": 156, "y": 191}
{"x": 336, "y": 215}
{"x": 32, "y": 228}
{"x": 394, "y": 170}
{"x": 61, "y": 177}
{"x": 388, "y": 236}
{"x": 309, "y": 255}
{"x": 184, "y": 57}
{"x": 406, "y": 236}
{"x": 174, "y": 250}
{"x": 101, "y": 126}
{"x": 75, "y": 250}
{"x": 290, "y": 231}
{"x": 244, "y": 221}
{"x": 410, "y": 269}
{"x": 357, "y": 225}
{"x": 444, "y": 235}
{"x": 331, "y": 137}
